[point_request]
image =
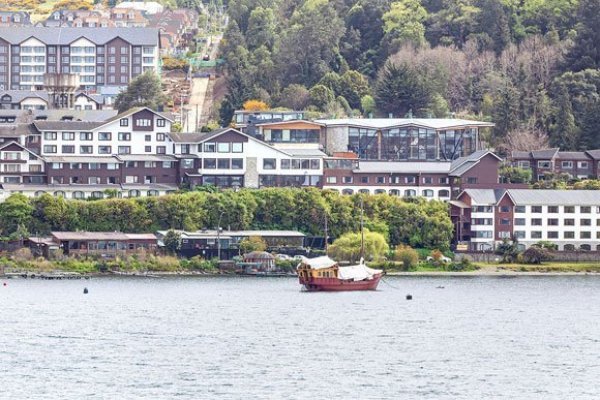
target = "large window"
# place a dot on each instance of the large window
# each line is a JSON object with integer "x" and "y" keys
{"x": 269, "y": 163}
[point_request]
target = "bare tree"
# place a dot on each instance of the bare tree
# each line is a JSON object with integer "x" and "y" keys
{"x": 527, "y": 138}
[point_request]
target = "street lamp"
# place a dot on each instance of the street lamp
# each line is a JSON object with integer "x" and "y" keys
{"x": 219, "y": 235}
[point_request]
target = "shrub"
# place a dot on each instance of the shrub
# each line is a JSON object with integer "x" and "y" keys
{"x": 23, "y": 254}
{"x": 200, "y": 264}
{"x": 407, "y": 255}
{"x": 535, "y": 255}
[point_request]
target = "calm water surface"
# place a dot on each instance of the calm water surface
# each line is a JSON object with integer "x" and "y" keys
{"x": 253, "y": 338}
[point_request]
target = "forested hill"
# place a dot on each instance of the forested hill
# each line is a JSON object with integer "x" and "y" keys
{"x": 531, "y": 66}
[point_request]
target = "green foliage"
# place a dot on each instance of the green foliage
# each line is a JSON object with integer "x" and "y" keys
{"x": 320, "y": 96}
{"x": 144, "y": 90}
{"x": 510, "y": 174}
{"x": 407, "y": 255}
{"x": 418, "y": 223}
{"x": 401, "y": 90}
{"x": 172, "y": 241}
{"x": 508, "y": 250}
{"x": 348, "y": 246}
{"x": 252, "y": 243}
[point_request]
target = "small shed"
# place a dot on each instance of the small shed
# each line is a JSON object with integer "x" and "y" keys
{"x": 260, "y": 260}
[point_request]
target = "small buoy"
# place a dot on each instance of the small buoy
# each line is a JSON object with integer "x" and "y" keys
{"x": 85, "y": 290}
{"x": 4, "y": 284}
{"x": 439, "y": 287}
{"x": 409, "y": 297}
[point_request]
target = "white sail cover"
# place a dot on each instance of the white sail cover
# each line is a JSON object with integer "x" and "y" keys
{"x": 357, "y": 272}
{"x": 319, "y": 262}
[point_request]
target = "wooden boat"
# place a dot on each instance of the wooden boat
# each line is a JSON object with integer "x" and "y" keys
{"x": 324, "y": 274}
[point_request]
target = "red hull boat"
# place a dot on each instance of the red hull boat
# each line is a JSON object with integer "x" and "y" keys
{"x": 322, "y": 274}
{"x": 338, "y": 285}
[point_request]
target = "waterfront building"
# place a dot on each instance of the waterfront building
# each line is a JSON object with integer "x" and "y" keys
{"x": 204, "y": 242}
{"x": 229, "y": 158}
{"x": 103, "y": 244}
{"x": 545, "y": 163}
{"x": 483, "y": 218}
{"x": 248, "y": 121}
{"x": 431, "y": 179}
{"x": 95, "y": 57}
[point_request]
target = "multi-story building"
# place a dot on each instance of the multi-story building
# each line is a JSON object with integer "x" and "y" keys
{"x": 95, "y": 56}
{"x": 23, "y": 100}
{"x": 546, "y": 163}
{"x": 14, "y": 18}
{"x": 128, "y": 18}
{"x": 230, "y": 158}
{"x": 568, "y": 218}
{"x": 249, "y": 121}
{"x": 433, "y": 180}
{"x": 79, "y": 19}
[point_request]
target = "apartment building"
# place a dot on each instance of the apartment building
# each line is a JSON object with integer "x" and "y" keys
{"x": 230, "y": 158}
{"x": 433, "y": 180}
{"x": 545, "y": 163}
{"x": 23, "y": 100}
{"x": 94, "y": 56}
{"x": 483, "y": 218}
{"x": 14, "y": 18}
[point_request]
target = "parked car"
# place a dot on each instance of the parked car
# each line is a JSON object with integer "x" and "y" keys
{"x": 206, "y": 57}
{"x": 283, "y": 257}
{"x": 443, "y": 259}
{"x": 300, "y": 258}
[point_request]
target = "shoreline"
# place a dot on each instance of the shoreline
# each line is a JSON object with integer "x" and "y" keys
{"x": 484, "y": 272}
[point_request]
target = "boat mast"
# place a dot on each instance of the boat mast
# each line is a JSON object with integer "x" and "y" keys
{"x": 326, "y": 236}
{"x": 362, "y": 228}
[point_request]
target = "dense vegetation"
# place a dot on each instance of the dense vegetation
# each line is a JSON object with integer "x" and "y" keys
{"x": 418, "y": 223}
{"x": 530, "y": 66}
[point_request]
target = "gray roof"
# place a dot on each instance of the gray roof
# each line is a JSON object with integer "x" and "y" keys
{"x": 403, "y": 167}
{"x": 573, "y": 155}
{"x": 555, "y": 197}
{"x": 463, "y": 164}
{"x": 536, "y": 197}
{"x": 520, "y": 154}
{"x": 484, "y": 196}
{"x": 383, "y": 123}
{"x": 16, "y": 130}
{"x": 595, "y": 154}
{"x": 189, "y": 137}
{"x": 66, "y": 125}
{"x": 302, "y": 152}
{"x": 20, "y": 95}
{"x": 67, "y": 35}
{"x": 75, "y": 115}
{"x": 544, "y": 154}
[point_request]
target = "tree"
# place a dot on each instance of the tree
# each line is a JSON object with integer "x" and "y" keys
{"x": 172, "y": 241}
{"x": 320, "y": 96}
{"x": 536, "y": 255}
{"x": 309, "y": 45}
{"x": 509, "y": 174}
{"x": 261, "y": 28}
{"x": 564, "y": 132}
{"x": 585, "y": 52}
{"x": 407, "y": 255}
{"x": 404, "y": 22}
{"x": 367, "y": 105}
{"x": 252, "y": 243}
{"x": 353, "y": 87}
{"x": 144, "y": 90}
{"x": 493, "y": 22}
{"x": 295, "y": 97}
{"x": 347, "y": 247}
{"x": 255, "y": 105}
{"x": 400, "y": 89}
{"x": 73, "y": 5}
{"x": 16, "y": 211}
{"x": 526, "y": 139}
{"x": 508, "y": 250}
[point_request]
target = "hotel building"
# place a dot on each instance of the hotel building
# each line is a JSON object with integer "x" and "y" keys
{"x": 95, "y": 56}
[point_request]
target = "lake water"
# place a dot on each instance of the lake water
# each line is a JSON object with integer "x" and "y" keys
{"x": 261, "y": 338}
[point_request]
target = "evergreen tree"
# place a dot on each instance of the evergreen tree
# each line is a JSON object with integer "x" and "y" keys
{"x": 144, "y": 91}
{"x": 494, "y": 22}
{"x": 564, "y": 132}
{"x": 585, "y": 52}
{"x": 401, "y": 89}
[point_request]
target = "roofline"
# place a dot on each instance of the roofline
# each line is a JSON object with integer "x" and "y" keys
{"x": 23, "y": 147}
{"x": 478, "y": 124}
{"x": 291, "y": 122}
{"x": 129, "y": 112}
